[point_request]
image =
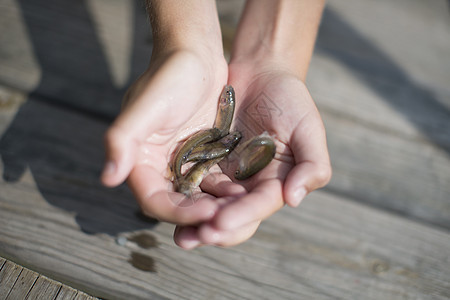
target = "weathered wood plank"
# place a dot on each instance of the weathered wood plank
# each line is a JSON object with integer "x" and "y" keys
{"x": 18, "y": 65}
{"x": 51, "y": 202}
{"x": 66, "y": 293}
{"x": 326, "y": 249}
{"x": 362, "y": 75}
{"x": 409, "y": 177}
{"x": 386, "y": 104}
{"x": 93, "y": 78}
{"x": 44, "y": 288}
{"x": 296, "y": 253}
{"x": 8, "y": 276}
{"x": 23, "y": 284}
{"x": 17, "y": 282}
{"x": 83, "y": 296}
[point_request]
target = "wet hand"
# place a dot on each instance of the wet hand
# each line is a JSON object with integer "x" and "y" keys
{"x": 279, "y": 103}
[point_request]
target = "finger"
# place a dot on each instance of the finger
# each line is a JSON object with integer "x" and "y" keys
{"x": 207, "y": 234}
{"x": 220, "y": 185}
{"x": 303, "y": 179}
{"x": 313, "y": 168}
{"x": 258, "y": 204}
{"x": 186, "y": 237}
{"x": 149, "y": 111}
{"x": 120, "y": 157}
{"x": 153, "y": 193}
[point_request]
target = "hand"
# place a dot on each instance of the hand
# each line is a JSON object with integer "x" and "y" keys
{"x": 174, "y": 98}
{"x": 273, "y": 100}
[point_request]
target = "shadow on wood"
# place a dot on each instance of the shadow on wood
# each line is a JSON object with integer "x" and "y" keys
{"x": 58, "y": 132}
{"x": 378, "y": 71}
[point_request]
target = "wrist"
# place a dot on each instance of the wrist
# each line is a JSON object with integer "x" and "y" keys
{"x": 191, "y": 26}
{"x": 279, "y": 33}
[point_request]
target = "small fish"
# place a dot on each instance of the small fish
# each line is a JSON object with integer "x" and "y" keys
{"x": 225, "y": 110}
{"x": 257, "y": 153}
{"x": 212, "y": 150}
{"x": 209, "y": 147}
{"x": 198, "y": 138}
{"x": 194, "y": 176}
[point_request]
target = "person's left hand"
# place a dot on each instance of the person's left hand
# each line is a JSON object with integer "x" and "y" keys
{"x": 275, "y": 101}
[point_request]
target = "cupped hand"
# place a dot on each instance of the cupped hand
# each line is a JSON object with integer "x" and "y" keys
{"x": 267, "y": 99}
{"x": 174, "y": 98}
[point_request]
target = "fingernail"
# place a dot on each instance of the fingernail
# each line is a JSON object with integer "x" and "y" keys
{"x": 187, "y": 238}
{"x": 189, "y": 244}
{"x": 215, "y": 237}
{"x": 299, "y": 194}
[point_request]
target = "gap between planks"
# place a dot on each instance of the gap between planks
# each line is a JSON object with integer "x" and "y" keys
{"x": 17, "y": 282}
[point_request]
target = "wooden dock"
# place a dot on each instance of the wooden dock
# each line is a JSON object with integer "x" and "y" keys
{"x": 380, "y": 230}
{"x": 17, "y": 282}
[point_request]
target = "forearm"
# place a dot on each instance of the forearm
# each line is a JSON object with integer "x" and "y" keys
{"x": 282, "y": 32}
{"x": 185, "y": 25}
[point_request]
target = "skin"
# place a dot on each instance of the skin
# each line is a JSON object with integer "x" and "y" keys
{"x": 177, "y": 96}
{"x": 271, "y": 53}
{"x": 174, "y": 98}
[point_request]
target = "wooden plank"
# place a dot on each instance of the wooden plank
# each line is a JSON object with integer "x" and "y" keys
{"x": 114, "y": 30}
{"x": 2, "y": 262}
{"x": 18, "y": 64}
{"x": 66, "y": 293}
{"x": 406, "y": 176}
{"x": 374, "y": 80}
{"x": 44, "y": 288}
{"x": 296, "y": 253}
{"x": 113, "y": 61}
{"x": 23, "y": 285}
{"x": 386, "y": 108}
{"x": 328, "y": 248}
{"x": 83, "y": 296}
{"x": 8, "y": 276}
{"x": 17, "y": 282}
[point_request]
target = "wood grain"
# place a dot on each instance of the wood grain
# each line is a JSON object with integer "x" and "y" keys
{"x": 8, "y": 276}
{"x": 363, "y": 75}
{"x": 66, "y": 293}
{"x": 385, "y": 104}
{"x": 24, "y": 283}
{"x": 328, "y": 248}
{"x": 380, "y": 230}
{"x": 17, "y": 282}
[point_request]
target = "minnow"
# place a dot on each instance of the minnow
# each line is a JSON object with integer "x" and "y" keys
{"x": 257, "y": 153}
{"x": 209, "y": 147}
{"x": 213, "y": 150}
{"x": 194, "y": 176}
{"x": 225, "y": 110}
{"x": 198, "y": 138}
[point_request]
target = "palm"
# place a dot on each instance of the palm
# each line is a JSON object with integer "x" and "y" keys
{"x": 277, "y": 103}
{"x": 180, "y": 104}
{"x": 280, "y": 104}
{"x": 167, "y": 104}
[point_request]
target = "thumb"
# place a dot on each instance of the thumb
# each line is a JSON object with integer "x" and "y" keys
{"x": 312, "y": 169}
{"x": 120, "y": 156}
{"x": 136, "y": 120}
{"x": 303, "y": 179}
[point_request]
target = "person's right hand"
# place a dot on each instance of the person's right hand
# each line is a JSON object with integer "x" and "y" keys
{"x": 174, "y": 98}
